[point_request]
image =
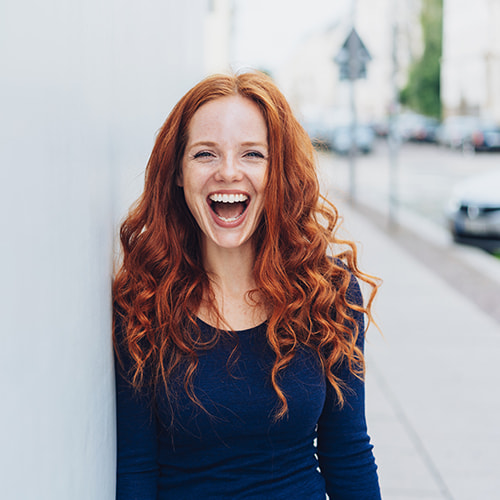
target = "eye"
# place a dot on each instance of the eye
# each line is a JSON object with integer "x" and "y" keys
{"x": 203, "y": 154}
{"x": 254, "y": 154}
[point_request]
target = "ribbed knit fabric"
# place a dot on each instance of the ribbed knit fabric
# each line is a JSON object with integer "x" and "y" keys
{"x": 235, "y": 450}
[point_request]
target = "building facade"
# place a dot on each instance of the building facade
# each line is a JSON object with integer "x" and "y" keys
{"x": 470, "y": 69}
{"x": 311, "y": 77}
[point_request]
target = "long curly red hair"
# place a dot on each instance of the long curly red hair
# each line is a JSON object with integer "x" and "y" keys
{"x": 161, "y": 280}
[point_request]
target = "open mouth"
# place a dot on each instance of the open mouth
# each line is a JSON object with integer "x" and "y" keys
{"x": 228, "y": 207}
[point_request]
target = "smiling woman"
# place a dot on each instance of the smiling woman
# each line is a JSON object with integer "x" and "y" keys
{"x": 238, "y": 337}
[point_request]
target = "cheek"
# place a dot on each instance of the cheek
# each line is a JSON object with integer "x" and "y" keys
{"x": 260, "y": 183}
{"x": 192, "y": 195}
{"x": 188, "y": 196}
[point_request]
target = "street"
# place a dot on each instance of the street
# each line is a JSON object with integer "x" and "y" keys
{"x": 425, "y": 175}
{"x": 425, "y": 179}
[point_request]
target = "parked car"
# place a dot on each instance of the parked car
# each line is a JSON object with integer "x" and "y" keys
{"x": 380, "y": 127}
{"x": 473, "y": 213}
{"x": 340, "y": 139}
{"x": 415, "y": 127}
{"x": 455, "y": 130}
{"x": 485, "y": 138}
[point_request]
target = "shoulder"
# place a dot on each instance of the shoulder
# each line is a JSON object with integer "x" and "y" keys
{"x": 352, "y": 307}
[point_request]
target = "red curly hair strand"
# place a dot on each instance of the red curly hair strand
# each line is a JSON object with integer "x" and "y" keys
{"x": 161, "y": 281}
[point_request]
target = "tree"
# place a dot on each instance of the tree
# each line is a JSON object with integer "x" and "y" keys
{"x": 422, "y": 92}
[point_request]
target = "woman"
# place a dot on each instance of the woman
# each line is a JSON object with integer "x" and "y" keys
{"x": 238, "y": 339}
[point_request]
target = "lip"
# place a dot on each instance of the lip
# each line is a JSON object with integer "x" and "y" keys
{"x": 228, "y": 224}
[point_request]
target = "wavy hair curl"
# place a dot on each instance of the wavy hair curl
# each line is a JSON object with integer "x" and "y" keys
{"x": 161, "y": 281}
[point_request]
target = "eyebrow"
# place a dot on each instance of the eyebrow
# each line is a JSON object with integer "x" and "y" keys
{"x": 213, "y": 144}
{"x": 202, "y": 143}
{"x": 251, "y": 143}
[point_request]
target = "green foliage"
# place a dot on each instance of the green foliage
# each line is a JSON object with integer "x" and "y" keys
{"x": 422, "y": 92}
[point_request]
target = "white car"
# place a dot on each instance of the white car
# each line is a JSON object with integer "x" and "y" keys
{"x": 473, "y": 213}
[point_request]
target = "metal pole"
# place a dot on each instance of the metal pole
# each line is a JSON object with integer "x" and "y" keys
{"x": 353, "y": 69}
{"x": 353, "y": 150}
{"x": 393, "y": 133}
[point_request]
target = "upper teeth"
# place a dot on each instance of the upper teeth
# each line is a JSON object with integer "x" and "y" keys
{"x": 228, "y": 198}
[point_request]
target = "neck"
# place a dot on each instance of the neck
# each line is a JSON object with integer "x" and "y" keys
{"x": 231, "y": 275}
{"x": 231, "y": 270}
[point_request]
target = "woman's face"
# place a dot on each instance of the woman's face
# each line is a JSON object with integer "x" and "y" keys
{"x": 224, "y": 170}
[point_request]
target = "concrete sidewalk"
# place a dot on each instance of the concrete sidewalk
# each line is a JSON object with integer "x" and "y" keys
{"x": 433, "y": 395}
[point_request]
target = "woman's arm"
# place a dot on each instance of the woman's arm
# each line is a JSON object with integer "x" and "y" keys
{"x": 344, "y": 450}
{"x": 137, "y": 467}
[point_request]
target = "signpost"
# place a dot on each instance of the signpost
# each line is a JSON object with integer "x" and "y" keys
{"x": 393, "y": 135}
{"x": 352, "y": 60}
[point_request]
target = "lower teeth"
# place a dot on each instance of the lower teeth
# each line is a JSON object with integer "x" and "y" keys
{"x": 229, "y": 219}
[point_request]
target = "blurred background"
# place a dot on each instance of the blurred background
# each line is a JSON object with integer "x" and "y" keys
{"x": 406, "y": 125}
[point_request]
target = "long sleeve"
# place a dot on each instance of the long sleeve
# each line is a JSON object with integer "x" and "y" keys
{"x": 137, "y": 444}
{"x": 344, "y": 450}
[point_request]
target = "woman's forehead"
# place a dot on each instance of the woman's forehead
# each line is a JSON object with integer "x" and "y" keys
{"x": 231, "y": 116}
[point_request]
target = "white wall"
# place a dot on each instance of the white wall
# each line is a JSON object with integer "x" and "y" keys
{"x": 218, "y": 43}
{"x": 84, "y": 86}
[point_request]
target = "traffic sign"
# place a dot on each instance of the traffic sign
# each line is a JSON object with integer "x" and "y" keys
{"x": 352, "y": 58}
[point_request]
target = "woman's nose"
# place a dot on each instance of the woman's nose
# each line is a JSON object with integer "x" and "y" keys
{"x": 228, "y": 169}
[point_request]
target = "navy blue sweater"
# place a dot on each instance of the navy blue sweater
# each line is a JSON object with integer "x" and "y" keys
{"x": 235, "y": 450}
